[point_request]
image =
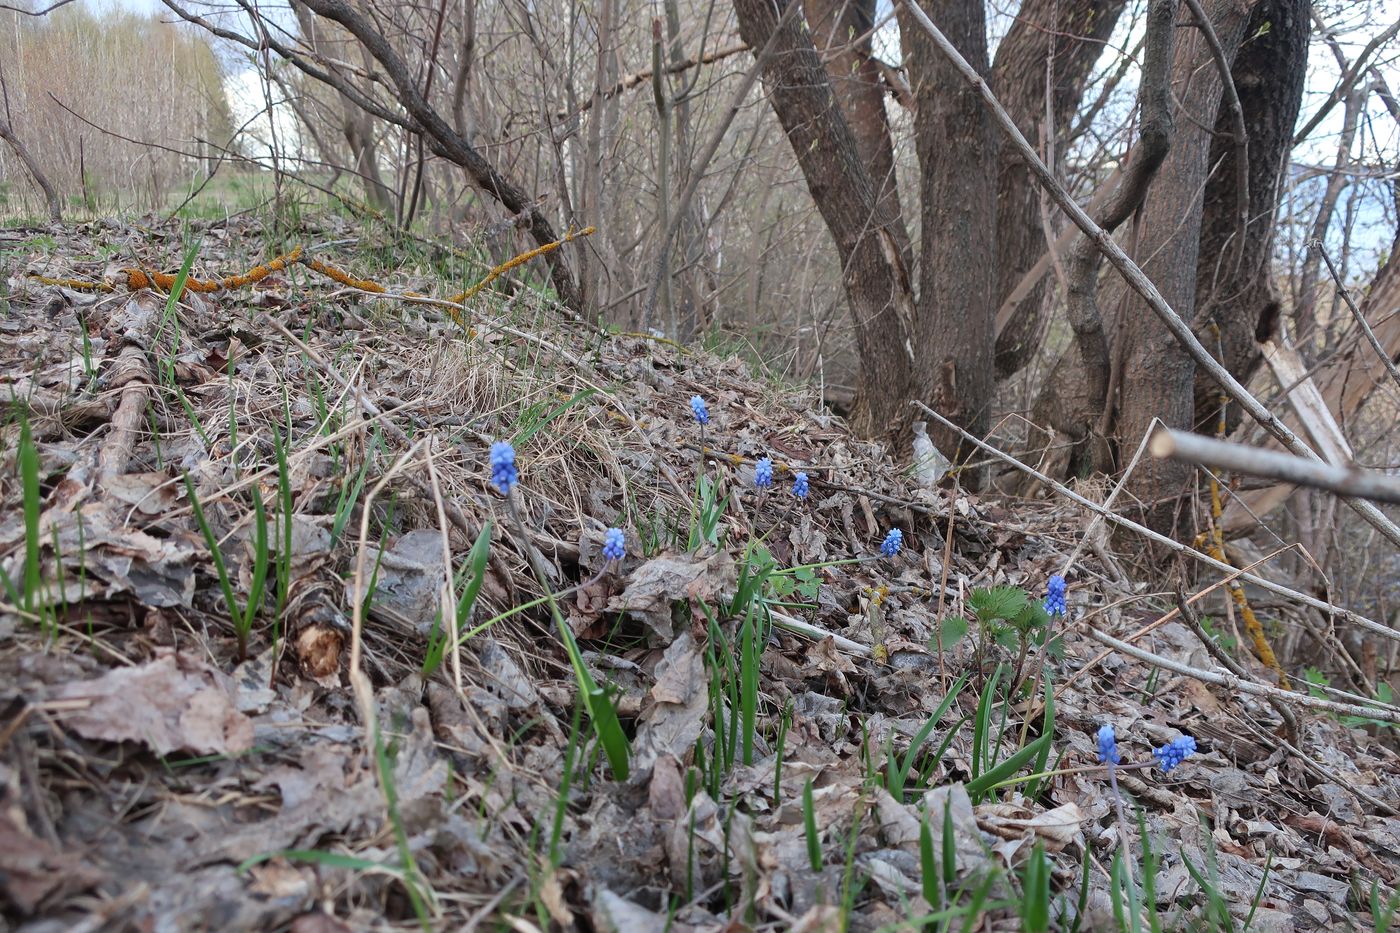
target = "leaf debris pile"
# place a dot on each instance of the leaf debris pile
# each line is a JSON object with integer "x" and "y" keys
{"x": 152, "y": 778}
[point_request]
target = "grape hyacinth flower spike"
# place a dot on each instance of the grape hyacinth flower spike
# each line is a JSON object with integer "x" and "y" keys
{"x": 799, "y": 485}
{"x": 614, "y": 544}
{"x": 1055, "y": 596}
{"x": 699, "y": 411}
{"x": 1108, "y": 745}
{"x": 893, "y": 543}
{"x": 763, "y": 473}
{"x": 504, "y": 475}
{"x": 1172, "y": 754}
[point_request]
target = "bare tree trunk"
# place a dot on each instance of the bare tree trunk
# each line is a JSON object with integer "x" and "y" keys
{"x": 876, "y": 281}
{"x": 953, "y": 329}
{"x": 1054, "y": 42}
{"x": 355, "y": 124}
{"x": 841, "y": 31}
{"x": 1158, "y": 375}
{"x": 1237, "y": 306}
{"x": 35, "y": 172}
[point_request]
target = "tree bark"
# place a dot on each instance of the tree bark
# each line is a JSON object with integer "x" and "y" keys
{"x": 953, "y": 329}
{"x": 840, "y": 32}
{"x": 444, "y": 141}
{"x": 1158, "y": 375}
{"x": 1237, "y": 305}
{"x": 35, "y": 172}
{"x": 1054, "y": 41}
{"x": 865, "y": 232}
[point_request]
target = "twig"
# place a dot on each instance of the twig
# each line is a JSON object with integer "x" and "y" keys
{"x": 811, "y": 631}
{"x": 449, "y": 593}
{"x": 1156, "y": 536}
{"x": 629, "y": 81}
{"x": 1193, "y": 621}
{"x": 1133, "y": 274}
{"x": 1348, "y": 81}
{"x": 1356, "y": 312}
{"x": 1273, "y": 464}
{"x": 1234, "y": 684}
{"x": 1108, "y": 502}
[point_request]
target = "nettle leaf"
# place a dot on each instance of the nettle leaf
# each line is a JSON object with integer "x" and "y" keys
{"x": 1032, "y": 618}
{"x": 952, "y": 630}
{"x": 1005, "y": 635}
{"x": 997, "y": 602}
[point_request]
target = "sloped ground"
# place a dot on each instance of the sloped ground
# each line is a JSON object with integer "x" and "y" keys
{"x": 152, "y": 779}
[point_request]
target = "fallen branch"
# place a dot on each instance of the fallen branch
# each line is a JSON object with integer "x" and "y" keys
{"x": 1172, "y": 544}
{"x": 1235, "y": 684}
{"x": 1273, "y": 464}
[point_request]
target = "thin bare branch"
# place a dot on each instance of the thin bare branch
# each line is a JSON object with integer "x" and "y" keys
{"x": 1356, "y": 312}
{"x": 1259, "y": 461}
{"x": 1331, "y": 609}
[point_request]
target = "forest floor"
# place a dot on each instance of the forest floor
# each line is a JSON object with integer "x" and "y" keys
{"x": 926, "y": 759}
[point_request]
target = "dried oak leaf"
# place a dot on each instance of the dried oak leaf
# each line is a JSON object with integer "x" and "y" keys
{"x": 31, "y": 869}
{"x": 681, "y": 700}
{"x": 664, "y": 580}
{"x": 174, "y": 703}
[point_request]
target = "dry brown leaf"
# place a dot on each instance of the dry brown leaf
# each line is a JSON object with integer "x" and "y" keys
{"x": 31, "y": 869}
{"x": 671, "y": 724}
{"x": 658, "y": 583}
{"x": 174, "y": 703}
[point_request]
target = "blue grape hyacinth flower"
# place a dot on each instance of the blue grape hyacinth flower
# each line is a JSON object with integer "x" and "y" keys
{"x": 1055, "y": 596}
{"x": 504, "y": 475}
{"x": 1108, "y": 745}
{"x": 698, "y": 409}
{"x": 893, "y": 543}
{"x": 614, "y": 544}
{"x": 799, "y": 485}
{"x": 1172, "y": 754}
{"x": 763, "y": 473}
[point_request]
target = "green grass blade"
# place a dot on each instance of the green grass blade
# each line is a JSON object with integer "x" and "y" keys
{"x": 1035, "y": 892}
{"x": 260, "y": 564}
{"x": 809, "y": 823}
{"x": 982, "y": 784}
{"x": 230, "y": 604}
{"x": 29, "y": 484}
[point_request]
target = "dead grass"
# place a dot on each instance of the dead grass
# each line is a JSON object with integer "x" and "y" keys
{"x": 150, "y": 777}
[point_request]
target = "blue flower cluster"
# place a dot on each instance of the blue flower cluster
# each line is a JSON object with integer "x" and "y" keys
{"x": 1168, "y": 756}
{"x": 1171, "y": 754}
{"x": 614, "y": 544}
{"x": 799, "y": 485}
{"x": 698, "y": 409}
{"x": 1108, "y": 745}
{"x": 763, "y": 473}
{"x": 1055, "y": 596}
{"x": 504, "y": 475}
{"x": 802, "y": 488}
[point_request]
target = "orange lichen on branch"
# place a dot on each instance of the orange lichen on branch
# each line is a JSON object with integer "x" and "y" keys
{"x": 78, "y": 285}
{"x": 141, "y": 278}
{"x": 344, "y": 278}
{"x": 1214, "y": 541}
{"x": 510, "y": 264}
